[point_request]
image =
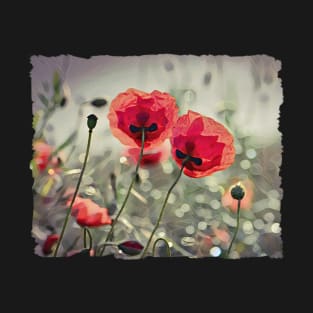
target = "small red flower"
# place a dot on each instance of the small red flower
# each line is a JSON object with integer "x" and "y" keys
{"x": 48, "y": 244}
{"x": 134, "y": 110}
{"x": 42, "y": 155}
{"x": 207, "y": 143}
{"x": 88, "y": 213}
{"x": 151, "y": 156}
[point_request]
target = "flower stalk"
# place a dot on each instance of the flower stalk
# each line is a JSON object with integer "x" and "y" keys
{"x": 128, "y": 193}
{"x": 236, "y": 231}
{"x": 163, "y": 207}
{"x": 237, "y": 192}
{"x": 168, "y": 249}
{"x": 91, "y": 124}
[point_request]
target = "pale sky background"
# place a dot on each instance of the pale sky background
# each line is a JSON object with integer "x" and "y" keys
{"x": 250, "y": 85}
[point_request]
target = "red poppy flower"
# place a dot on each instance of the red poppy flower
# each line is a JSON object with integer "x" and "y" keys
{"x": 42, "y": 155}
{"x": 151, "y": 156}
{"x": 134, "y": 110}
{"x": 88, "y": 213}
{"x": 207, "y": 143}
{"x": 48, "y": 244}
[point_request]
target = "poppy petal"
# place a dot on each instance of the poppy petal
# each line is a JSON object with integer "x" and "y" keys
{"x": 208, "y": 144}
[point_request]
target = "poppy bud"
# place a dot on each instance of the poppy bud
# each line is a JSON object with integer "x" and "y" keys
{"x": 237, "y": 192}
{"x": 92, "y": 121}
{"x": 48, "y": 245}
{"x": 63, "y": 102}
{"x": 131, "y": 247}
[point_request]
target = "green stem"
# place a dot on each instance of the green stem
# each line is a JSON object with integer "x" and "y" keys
{"x": 168, "y": 250}
{"x": 90, "y": 237}
{"x": 128, "y": 192}
{"x": 75, "y": 194}
{"x": 236, "y": 231}
{"x": 163, "y": 207}
{"x": 85, "y": 237}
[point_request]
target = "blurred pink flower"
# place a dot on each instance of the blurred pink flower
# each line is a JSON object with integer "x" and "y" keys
{"x": 207, "y": 241}
{"x": 246, "y": 203}
{"x": 204, "y": 244}
{"x": 89, "y": 213}
{"x": 42, "y": 155}
{"x": 221, "y": 234}
{"x": 151, "y": 156}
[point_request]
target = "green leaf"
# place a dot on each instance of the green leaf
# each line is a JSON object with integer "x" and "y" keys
{"x": 47, "y": 187}
{"x": 56, "y": 82}
{"x": 56, "y": 99}
{"x": 34, "y": 168}
{"x": 43, "y": 99}
{"x": 36, "y": 118}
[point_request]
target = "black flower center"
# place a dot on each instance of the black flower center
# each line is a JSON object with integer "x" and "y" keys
{"x": 134, "y": 129}
{"x": 182, "y": 155}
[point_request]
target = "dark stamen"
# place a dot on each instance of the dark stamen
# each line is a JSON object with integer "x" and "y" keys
{"x": 182, "y": 155}
{"x": 197, "y": 161}
{"x": 135, "y": 129}
{"x": 152, "y": 128}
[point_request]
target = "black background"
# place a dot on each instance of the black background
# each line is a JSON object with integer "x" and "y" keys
{"x": 168, "y": 283}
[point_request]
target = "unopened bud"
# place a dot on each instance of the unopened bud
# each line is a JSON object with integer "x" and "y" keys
{"x": 92, "y": 121}
{"x": 237, "y": 192}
